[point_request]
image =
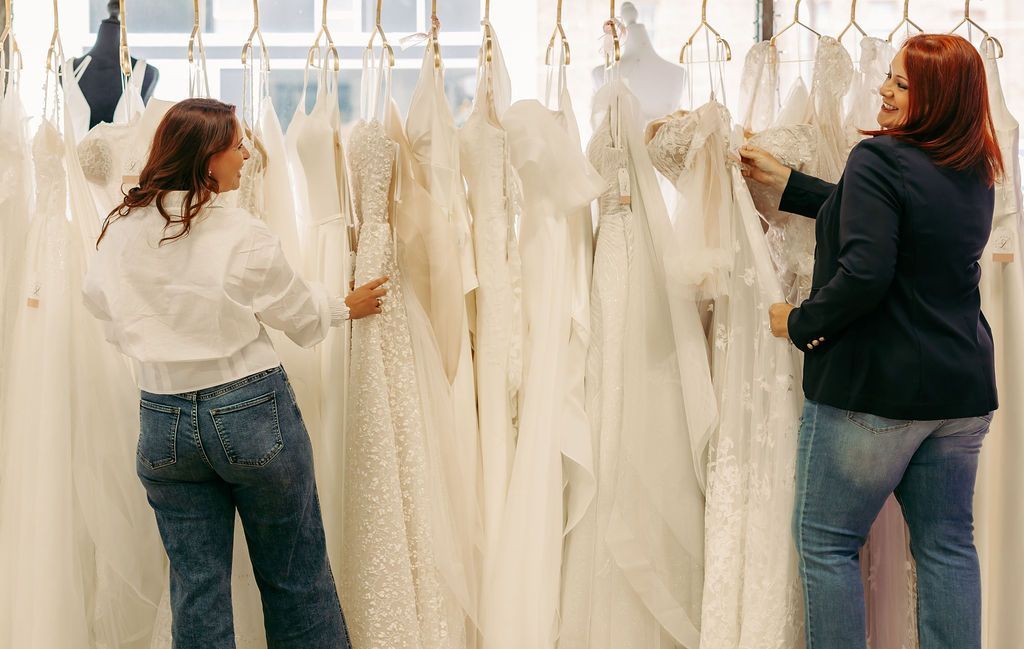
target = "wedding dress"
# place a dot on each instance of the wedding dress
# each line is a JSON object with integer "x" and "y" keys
{"x": 42, "y": 536}
{"x": 864, "y": 98}
{"x": 78, "y": 543}
{"x": 633, "y": 566}
{"x": 752, "y": 594}
{"x": 495, "y": 200}
{"x": 325, "y": 235}
{"x": 15, "y": 201}
{"x": 557, "y": 182}
{"x": 440, "y": 268}
{"x": 389, "y": 579}
{"x": 998, "y": 512}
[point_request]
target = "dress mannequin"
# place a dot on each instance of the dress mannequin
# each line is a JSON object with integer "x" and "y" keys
{"x": 101, "y": 81}
{"x": 658, "y": 84}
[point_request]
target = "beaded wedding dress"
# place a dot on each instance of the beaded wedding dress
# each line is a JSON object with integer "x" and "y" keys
{"x": 999, "y": 513}
{"x": 751, "y": 596}
{"x": 388, "y": 579}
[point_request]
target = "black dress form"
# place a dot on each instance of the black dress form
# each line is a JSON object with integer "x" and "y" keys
{"x": 101, "y": 81}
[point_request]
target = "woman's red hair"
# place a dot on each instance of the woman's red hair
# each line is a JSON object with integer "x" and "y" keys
{"x": 189, "y": 135}
{"x": 948, "y": 115}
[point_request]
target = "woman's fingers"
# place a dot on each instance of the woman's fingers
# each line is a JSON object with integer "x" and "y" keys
{"x": 375, "y": 283}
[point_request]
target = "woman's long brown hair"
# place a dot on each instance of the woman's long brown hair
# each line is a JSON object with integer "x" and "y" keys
{"x": 189, "y": 135}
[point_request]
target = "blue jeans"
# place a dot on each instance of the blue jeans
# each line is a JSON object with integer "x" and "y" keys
{"x": 849, "y": 463}
{"x": 239, "y": 446}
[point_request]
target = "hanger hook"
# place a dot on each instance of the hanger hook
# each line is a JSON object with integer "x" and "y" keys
{"x": 558, "y": 33}
{"x": 126, "y": 59}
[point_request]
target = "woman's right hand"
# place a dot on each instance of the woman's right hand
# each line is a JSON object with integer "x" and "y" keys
{"x": 366, "y": 300}
{"x": 761, "y": 167}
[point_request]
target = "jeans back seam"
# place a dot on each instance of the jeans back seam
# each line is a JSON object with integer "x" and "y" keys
{"x": 800, "y": 528}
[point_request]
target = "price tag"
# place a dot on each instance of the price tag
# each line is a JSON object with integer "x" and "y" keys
{"x": 625, "y": 193}
{"x": 1004, "y": 245}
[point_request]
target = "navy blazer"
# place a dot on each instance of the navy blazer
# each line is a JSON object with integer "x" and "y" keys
{"x": 894, "y": 299}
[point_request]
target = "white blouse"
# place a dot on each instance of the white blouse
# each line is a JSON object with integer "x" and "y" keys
{"x": 190, "y": 313}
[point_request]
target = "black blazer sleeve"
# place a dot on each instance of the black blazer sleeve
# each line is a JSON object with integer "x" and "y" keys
{"x": 869, "y": 226}
{"x": 804, "y": 195}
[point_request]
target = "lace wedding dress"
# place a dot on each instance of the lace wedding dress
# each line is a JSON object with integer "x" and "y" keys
{"x": 805, "y": 134}
{"x": 751, "y": 595}
{"x": 999, "y": 513}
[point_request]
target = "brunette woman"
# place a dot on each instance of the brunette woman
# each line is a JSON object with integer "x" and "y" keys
{"x": 184, "y": 285}
{"x": 898, "y": 369}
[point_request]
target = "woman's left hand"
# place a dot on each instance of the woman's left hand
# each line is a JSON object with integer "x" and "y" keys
{"x": 778, "y": 319}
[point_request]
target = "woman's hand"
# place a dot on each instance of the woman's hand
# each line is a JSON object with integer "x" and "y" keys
{"x": 367, "y": 299}
{"x": 761, "y": 167}
{"x": 778, "y": 319}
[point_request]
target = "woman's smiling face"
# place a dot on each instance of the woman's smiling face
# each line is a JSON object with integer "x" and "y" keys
{"x": 895, "y": 93}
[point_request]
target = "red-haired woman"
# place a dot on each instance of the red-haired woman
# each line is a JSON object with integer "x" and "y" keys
{"x": 184, "y": 285}
{"x": 898, "y": 368}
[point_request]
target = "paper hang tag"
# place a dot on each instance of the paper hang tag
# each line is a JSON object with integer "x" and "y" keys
{"x": 1004, "y": 245}
{"x": 33, "y": 300}
{"x": 625, "y": 194}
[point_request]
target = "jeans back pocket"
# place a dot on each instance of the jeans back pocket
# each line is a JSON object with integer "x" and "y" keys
{"x": 250, "y": 431}
{"x": 158, "y": 434}
{"x": 876, "y": 424}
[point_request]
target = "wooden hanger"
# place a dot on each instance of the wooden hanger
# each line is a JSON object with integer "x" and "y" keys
{"x": 126, "y": 59}
{"x": 853, "y": 23}
{"x": 314, "y": 58}
{"x": 795, "y": 23}
{"x": 906, "y": 21}
{"x": 971, "y": 23}
{"x": 257, "y": 34}
{"x": 55, "y": 54}
{"x": 435, "y": 28}
{"x": 7, "y": 39}
{"x": 722, "y": 44}
{"x": 379, "y": 29}
{"x": 558, "y": 33}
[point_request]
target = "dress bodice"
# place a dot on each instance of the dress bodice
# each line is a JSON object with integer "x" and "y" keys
{"x": 102, "y": 152}
{"x": 670, "y": 147}
{"x": 250, "y": 187}
{"x": 612, "y": 162}
{"x": 51, "y": 178}
{"x": 864, "y": 100}
{"x": 483, "y": 151}
{"x": 371, "y": 159}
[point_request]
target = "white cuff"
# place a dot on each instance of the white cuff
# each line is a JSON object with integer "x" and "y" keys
{"x": 339, "y": 311}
